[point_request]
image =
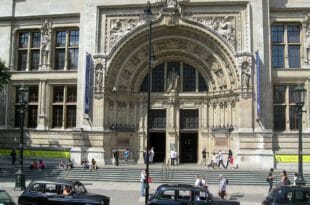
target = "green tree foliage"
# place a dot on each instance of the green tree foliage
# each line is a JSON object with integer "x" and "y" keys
{"x": 5, "y": 75}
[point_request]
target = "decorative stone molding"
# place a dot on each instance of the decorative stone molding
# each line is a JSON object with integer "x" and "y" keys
{"x": 118, "y": 27}
{"x": 225, "y": 26}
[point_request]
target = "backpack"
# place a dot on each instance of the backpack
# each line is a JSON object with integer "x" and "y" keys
{"x": 226, "y": 181}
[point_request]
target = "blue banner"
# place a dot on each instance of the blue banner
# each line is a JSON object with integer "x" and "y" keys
{"x": 258, "y": 97}
{"x": 88, "y": 85}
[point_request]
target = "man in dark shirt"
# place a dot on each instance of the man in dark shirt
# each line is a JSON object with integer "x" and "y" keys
{"x": 204, "y": 157}
{"x": 270, "y": 179}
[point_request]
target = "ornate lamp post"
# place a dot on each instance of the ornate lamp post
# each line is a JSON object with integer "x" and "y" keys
{"x": 148, "y": 17}
{"x": 299, "y": 93}
{"x": 22, "y": 101}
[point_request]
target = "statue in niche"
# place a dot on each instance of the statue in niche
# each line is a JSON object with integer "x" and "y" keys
{"x": 225, "y": 28}
{"x": 173, "y": 81}
{"x": 45, "y": 42}
{"x": 99, "y": 76}
{"x": 171, "y": 3}
{"x": 307, "y": 38}
{"x": 221, "y": 80}
{"x": 245, "y": 74}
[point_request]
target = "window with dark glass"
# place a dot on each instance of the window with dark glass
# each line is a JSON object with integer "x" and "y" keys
{"x": 158, "y": 119}
{"x": 31, "y": 115}
{"x": 292, "y": 107}
{"x": 71, "y": 94}
{"x": 28, "y": 54}
{"x": 57, "y": 115}
{"x": 58, "y": 94}
{"x": 67, "y": 49}
{"x": 286, "y": 42}
{"x": 175, "y": 75}
{"x": 35, "y": 57}
{"x": 279, "y": 99}
{"x": 189, "y": 119}
{"x": 284, "y": 108}
{"x": 189, "y": 78}
{"x": 71, "y": 116}
{"x": 64, "y": 107}
{"x": 202, "y": 84}
{"x": 158, "y": 79}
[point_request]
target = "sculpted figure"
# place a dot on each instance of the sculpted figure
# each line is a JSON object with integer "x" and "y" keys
{"x": 245, "y": 74}
{"x": 173, "y": 81}
{"x": 45, "y": 42}
{"x": 99, "y": 75}
{"x": 225, "y": 28}
{"x": 171, "y": 3}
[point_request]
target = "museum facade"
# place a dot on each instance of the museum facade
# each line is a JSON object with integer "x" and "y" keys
{"x": 223, "y": 77}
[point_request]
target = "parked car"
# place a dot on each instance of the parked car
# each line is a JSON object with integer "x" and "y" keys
{"x": 283, "y": 195}
{"x": 5, "y": 199}
{"x": 182, "y": 194}
{"x": 60, "y": 192}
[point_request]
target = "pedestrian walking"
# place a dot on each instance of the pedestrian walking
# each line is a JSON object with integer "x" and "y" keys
{"x": 213, "y": 162}
{"x": 142, "y": 182}
{"x": 221, "y": 160}
{"x": 116, "y": 156}
{"x": 173, "y": 157}
{"x": 204, "y": 157}
{"x": 230, "y": 159}
{"x": 13, "y": 156}
{"x": 222, "y": 186}
{"x": 270, "y": 179}
{"x": 126, "y": 155}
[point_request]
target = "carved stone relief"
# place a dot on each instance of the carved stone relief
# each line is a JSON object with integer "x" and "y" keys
{"x": 220, "y": 77}
{"x": 225, "y": 26}
{"x": 119, "y": 27}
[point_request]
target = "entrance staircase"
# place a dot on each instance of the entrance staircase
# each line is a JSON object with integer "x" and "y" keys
{"x": 159, "y": 174}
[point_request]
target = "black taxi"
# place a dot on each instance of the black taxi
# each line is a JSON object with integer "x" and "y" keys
{"x": 282, "y": 195}
{"x": 183, "y": 194}
{"x": 63, "y": 192}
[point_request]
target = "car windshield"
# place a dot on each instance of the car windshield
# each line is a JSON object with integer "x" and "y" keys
{"x": 79, "y": 188}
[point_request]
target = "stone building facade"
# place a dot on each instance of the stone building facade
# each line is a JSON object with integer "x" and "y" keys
{"x": 223, "y": 73}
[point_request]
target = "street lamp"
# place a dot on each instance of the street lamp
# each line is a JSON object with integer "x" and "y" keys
{"x": 22, "y": 93}
{"x": 148, "y": 17}
{"x": 299, "y": 95}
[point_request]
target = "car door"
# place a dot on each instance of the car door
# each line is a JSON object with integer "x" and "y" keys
{"x": 184, "y": 196}
{"x": 201, "y": 197}
{"x": 164, "y": 197}
{"x": 284, "y": 196}
{"x": 59, "y": 198}
{"x": 302, "y": 196}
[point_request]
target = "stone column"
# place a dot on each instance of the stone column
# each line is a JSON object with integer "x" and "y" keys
{"x": 42, "y": 106}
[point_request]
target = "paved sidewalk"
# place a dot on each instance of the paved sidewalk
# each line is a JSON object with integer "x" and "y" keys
{"x": 128, "y": 193}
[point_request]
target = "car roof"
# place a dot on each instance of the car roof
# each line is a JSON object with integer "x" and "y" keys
{"x": 187, "y": 186}
{"x": 58, "y": 181}
{"x": 292, "y": 187}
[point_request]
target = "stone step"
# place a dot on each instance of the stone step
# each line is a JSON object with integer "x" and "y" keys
{"x": 159, "y": 175}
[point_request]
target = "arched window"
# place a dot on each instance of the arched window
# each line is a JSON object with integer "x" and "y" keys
{"x": 175, "y": 75}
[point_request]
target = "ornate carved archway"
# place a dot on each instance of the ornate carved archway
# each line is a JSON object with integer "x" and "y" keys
{"x": 190, "y": 42}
